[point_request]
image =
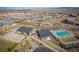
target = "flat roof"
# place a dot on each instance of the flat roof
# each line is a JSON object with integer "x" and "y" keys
{"x": 25, "y": 29}
{"x": 42, "y": 49}
{"x": 43, "y": 33}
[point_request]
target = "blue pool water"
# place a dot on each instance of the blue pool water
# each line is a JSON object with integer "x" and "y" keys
{"x": 63, "y": 33}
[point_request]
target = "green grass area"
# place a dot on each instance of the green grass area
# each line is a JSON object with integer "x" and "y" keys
{"x": 1, "y": 33}
{"x": 23, "y": 19}
{"x": 1, "y": 18}
{"x": 72, "y": 39}
{"x": 53, "y": 41}
{"x": 6, "y": 46}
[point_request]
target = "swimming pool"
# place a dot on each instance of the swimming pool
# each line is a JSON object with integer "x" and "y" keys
{"x": 61, "y": 33}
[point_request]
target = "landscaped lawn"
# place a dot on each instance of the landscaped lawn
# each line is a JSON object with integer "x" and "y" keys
{"x": 6, "y": 45}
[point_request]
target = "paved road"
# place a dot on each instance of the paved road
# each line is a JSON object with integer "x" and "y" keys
{"x": 32, "y": 43}
{"x": 53, "y": 49}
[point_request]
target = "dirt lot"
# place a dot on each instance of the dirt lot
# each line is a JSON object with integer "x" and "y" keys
{"x": 14, "y": 37}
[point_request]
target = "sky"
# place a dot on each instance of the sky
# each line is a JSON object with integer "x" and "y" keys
{"x": 36, "y": 8}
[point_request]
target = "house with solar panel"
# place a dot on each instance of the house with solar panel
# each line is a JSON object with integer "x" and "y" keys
{"x": 42, "y": 49}
{"x": 44, "y": 34}
{"x": 25, "y": 30}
